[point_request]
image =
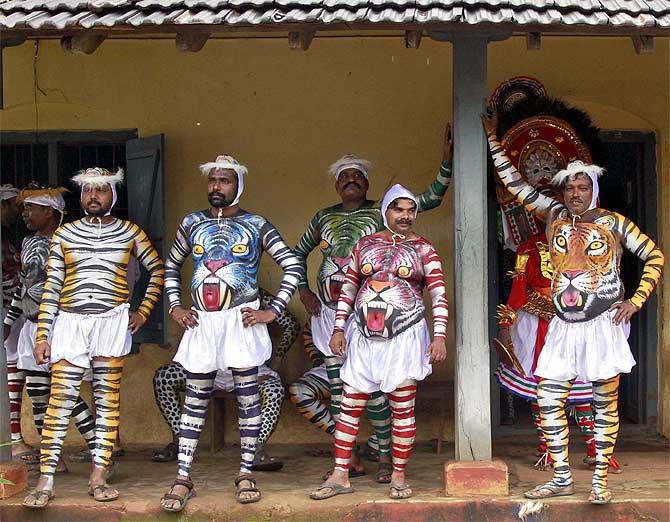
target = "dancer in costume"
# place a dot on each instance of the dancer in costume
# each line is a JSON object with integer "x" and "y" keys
{"x": 335, "y": 230}
{"x": 16, "y": 379}
{"x": 311, "y": 393}
{"x": 84, "y": 322}
{"x": 388, "y": 349}
{"x": 586, "y": 339}
{"x": 43, "y": 209}
{"x": 523, "y": 324}
{"x": 225, "y": 328}
{"x": 170, "y": 382}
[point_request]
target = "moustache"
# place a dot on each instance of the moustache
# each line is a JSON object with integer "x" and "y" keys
{"x": 576, "y": 200}
{"x": 404, "y": 222}
{"x": 354, "y": 183}
{"x": 216, "y": 194}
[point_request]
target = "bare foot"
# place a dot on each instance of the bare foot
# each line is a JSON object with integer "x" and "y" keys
{"x": 399, "y": 487}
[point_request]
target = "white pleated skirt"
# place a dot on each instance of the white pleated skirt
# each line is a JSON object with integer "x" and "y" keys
{"x": 78, "y": 338}
{"x": 371, "y": 365}
{"x": 524, "y": 334}
{"x": 26, "y": 360}
{"x": 589, "y": 351}
{"x": 12, "y": 342}
{"x": 220, "y": 341}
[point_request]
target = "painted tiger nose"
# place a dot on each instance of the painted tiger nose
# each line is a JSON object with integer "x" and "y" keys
{"x": 380, "y": 286}
{"x": 573, "y": 273}
{"x": 215, "y": 264}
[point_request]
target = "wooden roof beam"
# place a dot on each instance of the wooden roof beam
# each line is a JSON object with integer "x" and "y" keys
{"x": 191, "y": 42}
{"x": 533, "y": 41}
{"x": 413, "y": 39}
{"x": 85, "y": 43}
{"x": 300, "y": 39}
{"x": 643, "y": 44}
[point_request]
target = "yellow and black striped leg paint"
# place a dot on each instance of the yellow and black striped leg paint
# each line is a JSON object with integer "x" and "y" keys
{"x": 65, "y": 385}
{"x": 606, "y": 430}
{"x": 107, "y": 374}
{"x": 551, "y": 398}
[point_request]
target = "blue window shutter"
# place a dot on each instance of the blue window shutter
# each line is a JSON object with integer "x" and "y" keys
{"x": 146, "y": 207}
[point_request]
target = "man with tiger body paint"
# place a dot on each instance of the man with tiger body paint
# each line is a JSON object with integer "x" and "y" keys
{"x": 523, "y": 323}
{"x": 225, "y": 327}
{"x": 334, "y": 231}
{"x": 11, "y": 264}
{"x": 388, "y": 348}
{"x": 43, "y": 210}
{"x": 586, "y": 340}
{"x": 85, "y": 322}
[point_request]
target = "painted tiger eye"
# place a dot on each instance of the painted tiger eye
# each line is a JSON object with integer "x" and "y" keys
{"x": 366, "y": 268}
{"x": 198, "y": 250}
{"x": 403, "y": 271}
{"x": 324, "y": 244}
{"x": 240, "y": 248}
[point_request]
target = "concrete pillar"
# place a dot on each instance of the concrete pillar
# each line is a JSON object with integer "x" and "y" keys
{"x": 472, "y": 375}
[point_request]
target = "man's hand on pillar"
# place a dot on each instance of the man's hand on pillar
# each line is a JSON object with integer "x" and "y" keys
{"x": 490, "y": 121}
{"x": 448, "y": 145}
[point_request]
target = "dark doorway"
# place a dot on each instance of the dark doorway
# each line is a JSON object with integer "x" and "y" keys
{"x": 629, "y": 187}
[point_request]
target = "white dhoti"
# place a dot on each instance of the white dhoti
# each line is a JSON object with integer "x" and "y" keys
{"x": 78, "y": 338}
{"x": 26, "y": 359}
{"x": 594, "y": 350}
{"x": 221, "y": 341}
{"x": 12, "y": 342}
{"x": 371, "y": 365}
{"x": 322, "y": 329}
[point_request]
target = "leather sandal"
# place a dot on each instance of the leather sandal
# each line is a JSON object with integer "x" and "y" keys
{"x": 252, "y": 489}
{"x": 188, "y": 484}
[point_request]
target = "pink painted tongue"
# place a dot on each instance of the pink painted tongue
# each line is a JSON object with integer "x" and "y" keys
{"x": 570, "y": 297}
{"x": 375, "y": 320}
{"x": 335, "y": 289}
{"x": 212, "y": 296}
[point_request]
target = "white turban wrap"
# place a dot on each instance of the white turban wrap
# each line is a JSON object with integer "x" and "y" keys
{"x": 8, "y": 192}
{"x": 579, "y": 167}
{"x": 99, "y": 176}
{"x": 55, "y": 201}
{"x": 348, "y": 161}
{"x": 397, "y": 191}
{"x": 229, "y": 163}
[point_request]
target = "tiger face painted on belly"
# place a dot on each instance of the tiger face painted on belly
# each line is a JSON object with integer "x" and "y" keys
{"x": 225, "y": 259}
{"x": 389, "y": 300}
{"x": 585, "y": 257}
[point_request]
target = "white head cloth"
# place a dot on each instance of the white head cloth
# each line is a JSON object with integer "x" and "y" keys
{"x": 349, "y": 161}
{"x": 397, "y": 191}
{"x": 55, "y": 201}
{"x": 229, "y": 163}
{"x": 8, "y": 191}
{"x": 579, "y": 167}
{"x": 99, "y": 176}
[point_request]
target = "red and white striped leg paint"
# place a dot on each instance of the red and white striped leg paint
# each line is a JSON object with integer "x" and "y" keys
{"x": 403, "y": 423}
{"x": 16, "y": 379}
{"x": 352, "y": 405}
